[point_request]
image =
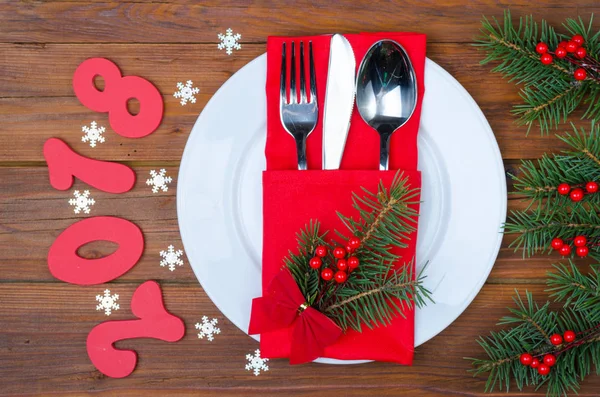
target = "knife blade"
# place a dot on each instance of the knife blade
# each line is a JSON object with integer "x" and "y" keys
{"x": 339, "y": 101}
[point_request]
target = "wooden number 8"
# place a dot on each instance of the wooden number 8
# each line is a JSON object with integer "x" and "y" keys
{"x": 113, "y": 99}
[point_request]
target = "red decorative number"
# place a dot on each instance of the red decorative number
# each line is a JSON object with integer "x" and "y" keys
{"x": 154, "y": 322}
{"x": 113, "y": 99}
{"x": 64, "y": 164}
{"x": 66, "y": 265}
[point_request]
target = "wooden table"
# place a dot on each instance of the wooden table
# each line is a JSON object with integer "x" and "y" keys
{"x": 45, "y": 322}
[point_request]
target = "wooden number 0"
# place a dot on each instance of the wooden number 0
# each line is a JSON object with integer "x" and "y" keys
{"x": 113, "y": 98}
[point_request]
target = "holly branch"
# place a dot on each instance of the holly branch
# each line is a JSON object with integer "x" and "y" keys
{"x": 359, "y": 283}
{"x": 557, "y": 72}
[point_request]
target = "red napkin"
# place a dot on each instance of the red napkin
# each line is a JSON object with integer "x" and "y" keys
{"x": 291, "y": 198}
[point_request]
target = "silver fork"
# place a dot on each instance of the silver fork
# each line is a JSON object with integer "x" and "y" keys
{"x": 298, "y": 118}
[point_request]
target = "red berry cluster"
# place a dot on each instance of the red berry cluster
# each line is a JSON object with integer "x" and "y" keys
{"x": 573, "y": 47}
{"x": 577, "y": 193}
{"x": 345, "y": 261}
{"x": 564, "y": 249}
{"x": 548, "y": 360}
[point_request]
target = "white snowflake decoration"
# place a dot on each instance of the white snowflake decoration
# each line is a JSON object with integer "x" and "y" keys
{"x": 159, "y": 181}
{"x": 207, "y": 328}
{"x": 108, "y": 302}
{"x": 82, "y": 201}
{"x": 186, "y": 92}
{"x": 171, "y": 258}
{"x": 229, "y": 41}
{"x": 93, "y": 134}
{"x": 255, "y": 363}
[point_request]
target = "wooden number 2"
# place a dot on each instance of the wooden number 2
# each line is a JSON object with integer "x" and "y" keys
{"x": 153, "y": 322}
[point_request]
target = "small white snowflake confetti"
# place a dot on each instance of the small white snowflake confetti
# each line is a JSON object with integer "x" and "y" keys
{"x": 82, "y": 201}
{"x": 108, "y": 302}
{"x": 159, "y": 180}
{"x": 229, "y": 41}
{"x": 93, "y": 134}
{"x": 186, "y": 92}
{"x": 255, "y": 363}
{"x": 207, "y": 328}
{"x": 171, "y": 258}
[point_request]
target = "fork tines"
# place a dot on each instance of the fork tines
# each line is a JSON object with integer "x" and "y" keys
{"x": 293, "y": 98}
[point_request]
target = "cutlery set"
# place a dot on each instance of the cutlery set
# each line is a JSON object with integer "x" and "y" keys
{"x": 385, "y": 92}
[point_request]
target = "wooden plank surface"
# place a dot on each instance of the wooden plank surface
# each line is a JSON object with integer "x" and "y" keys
{"x": 45, "y": 322}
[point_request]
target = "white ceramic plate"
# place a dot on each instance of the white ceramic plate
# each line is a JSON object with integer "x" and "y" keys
{"x": 219, "y": 197}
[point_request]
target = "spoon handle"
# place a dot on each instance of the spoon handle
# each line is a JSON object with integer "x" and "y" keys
{"x": 384, "y": 151}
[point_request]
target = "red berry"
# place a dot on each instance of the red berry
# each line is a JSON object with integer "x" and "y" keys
{"x": 556, "y": 339}
{"x": 591, "y": 187}
{"x": 576, "y": 194}
{"x": 582, "y": 252}
{"x": 565, "y": 250}
{"x": 569, "y": 336}
{"x": 563, "y": 189}
{"x": 348, "y": 248}
{"x": 560, "y": 52}
{"x": 315, "y": 262}
{"x": 562, "y": 44}
{"x": 535, "y": 363}
{"x": 327, "y": 274}
{"x": 578, "y": 39}
{"x": 353, "y": 262}
{"x": 580, "y": 53}
{"x": 321, "y": 251}
{"x": 580, "y": 241}
{"x": 340, "y": 277}
{"x": 571, "y": 46}
{"x": 543, "y": 369}
{"x": 546, "y": 59}
{"x": 557, "y": 243}
{"x": 354, "y": 242}
{"x": 580, "y": 74}
{"x": 526, "y": 359}
{"x": 549, "y": 360}
{"x": 342, "y": 264}
{"x": 339, "y": 252}
{"x": 541, "y": 48}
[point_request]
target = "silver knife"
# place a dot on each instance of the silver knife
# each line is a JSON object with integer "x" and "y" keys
{"x": 339, "y": 101}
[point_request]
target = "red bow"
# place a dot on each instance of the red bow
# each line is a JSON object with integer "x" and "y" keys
{"x": 283, "y": 305}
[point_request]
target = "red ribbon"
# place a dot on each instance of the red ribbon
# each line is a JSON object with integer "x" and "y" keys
{"x": 282, "y": 306}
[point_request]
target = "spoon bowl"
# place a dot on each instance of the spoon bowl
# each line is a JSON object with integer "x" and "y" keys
{"x": 386, "y": 91}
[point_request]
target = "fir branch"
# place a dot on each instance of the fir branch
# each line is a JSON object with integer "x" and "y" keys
{"x": 550, "y": 92}
{"x": 574, "y": 360}
{"x": 575, "y": 289}
{"x": 391, "y": 295}
{"x": 538, "y": 227}
{"x": 380, "y": 288}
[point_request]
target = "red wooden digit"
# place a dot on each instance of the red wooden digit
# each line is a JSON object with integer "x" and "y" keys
{"x": 154, "y": 322}
{"x": 113, "y": 99}
{"x": 64, "y": 165}
{"x": 67, "y": 266}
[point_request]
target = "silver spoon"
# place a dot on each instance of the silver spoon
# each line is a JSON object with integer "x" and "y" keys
{"x": 386, "y": 91}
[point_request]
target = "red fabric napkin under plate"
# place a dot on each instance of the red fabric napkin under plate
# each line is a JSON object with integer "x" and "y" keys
{"x": 291, "y": 198}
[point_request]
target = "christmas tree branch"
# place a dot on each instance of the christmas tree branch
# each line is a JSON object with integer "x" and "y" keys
{"x": 573, "y": 359}
{"x": 379, "y": 289}
{"x": 550, "y": 91}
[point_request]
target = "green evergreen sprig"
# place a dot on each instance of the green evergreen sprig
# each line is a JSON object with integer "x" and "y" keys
{"x": 549, "y": 214}
{"x": 376, "y": 291}
{"x": 532, "y": 326}
{"x": 580, "y": 291}
{"x": 538, "y": 227}
{"x": 550, "y": 93}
